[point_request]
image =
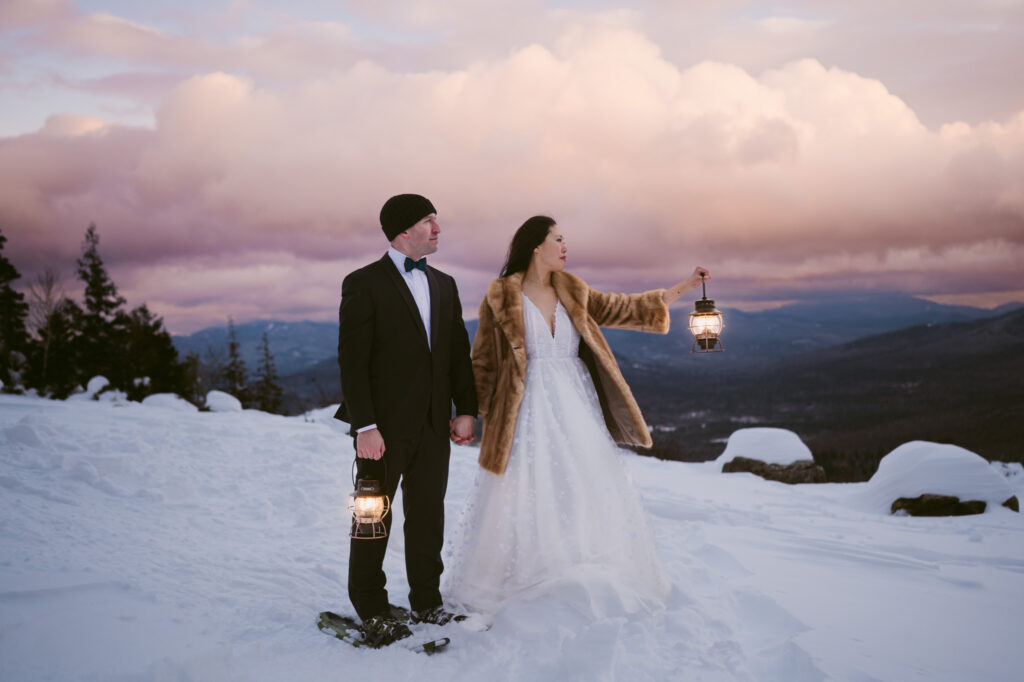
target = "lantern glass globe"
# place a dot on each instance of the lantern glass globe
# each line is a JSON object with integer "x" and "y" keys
{"x": 703, "y": 324}
{"x": 368, "y": 505}
{"x": 367, "y": 509}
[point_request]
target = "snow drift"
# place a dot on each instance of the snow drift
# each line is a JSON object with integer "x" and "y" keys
{"x": 146, "y": 542}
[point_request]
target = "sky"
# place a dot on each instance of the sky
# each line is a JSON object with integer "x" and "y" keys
{"x": 234, "y": 154}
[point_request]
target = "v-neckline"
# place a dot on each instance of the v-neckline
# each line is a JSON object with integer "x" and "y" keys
{"x": 554, "y": 317}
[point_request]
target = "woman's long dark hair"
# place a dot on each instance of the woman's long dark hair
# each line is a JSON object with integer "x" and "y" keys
{"x": 528, "y": 237}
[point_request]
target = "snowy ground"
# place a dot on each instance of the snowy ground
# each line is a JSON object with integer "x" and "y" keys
{"x": 151, "y": 543}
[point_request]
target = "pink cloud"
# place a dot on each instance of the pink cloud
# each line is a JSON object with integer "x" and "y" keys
{"x": 22, "y": 13}
{"x": 798, "y": 179}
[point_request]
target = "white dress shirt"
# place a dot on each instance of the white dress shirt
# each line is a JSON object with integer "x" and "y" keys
{"x": 418, "y": 285}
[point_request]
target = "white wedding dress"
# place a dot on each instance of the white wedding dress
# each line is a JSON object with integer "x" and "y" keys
{"x": 564, "y": 521}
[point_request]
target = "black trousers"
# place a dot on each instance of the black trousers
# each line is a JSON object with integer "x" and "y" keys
{"x": 420, "y": 464}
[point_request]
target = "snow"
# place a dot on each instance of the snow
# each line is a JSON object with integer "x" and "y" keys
{"x": 142, "y": 542}
{"x": 767, "y": 444}
{"x": 922, "y": 467}
{"x": 1014, "y": 473}
{"x": 169, "y": 401}
{"x": 95, "y": 385}
{"x": 219, "y": 401}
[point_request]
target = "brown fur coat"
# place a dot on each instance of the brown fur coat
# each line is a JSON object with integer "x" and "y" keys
{"x": 499, "y": 357}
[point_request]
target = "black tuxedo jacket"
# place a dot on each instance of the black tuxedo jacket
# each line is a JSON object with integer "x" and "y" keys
{"x": 389, "y": 376}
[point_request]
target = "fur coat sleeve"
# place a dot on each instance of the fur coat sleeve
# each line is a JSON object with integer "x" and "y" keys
{"x": 499, "y": 357}
{"x": 644, "y": 312}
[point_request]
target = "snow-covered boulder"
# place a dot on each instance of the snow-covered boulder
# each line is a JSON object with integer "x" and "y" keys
{"x": 99, "y": 388}
{"x": 95, "y": 385}
{"x": 219, "y": 401}
{"x": 771, "y": 453}
{"x": 766, "y": 444}
{"x": 170, "y": 401}
{"x": 112, "y": 396}
{"x": 923, "y": 468}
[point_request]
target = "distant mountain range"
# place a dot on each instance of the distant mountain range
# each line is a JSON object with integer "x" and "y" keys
{"x": 295, "y": 345}
{"x": 308, "y": 349}
{"x": 954, "y": 382}
{"x": 853, "y": 377}
{"x": 754, "y": 338}
{"x": 748, "y": 337}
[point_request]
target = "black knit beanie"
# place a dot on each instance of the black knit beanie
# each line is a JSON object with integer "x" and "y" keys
{"x": 402, "y": 211}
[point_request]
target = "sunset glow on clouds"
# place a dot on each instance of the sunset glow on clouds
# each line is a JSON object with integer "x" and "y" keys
{"x": 234, "y": 159}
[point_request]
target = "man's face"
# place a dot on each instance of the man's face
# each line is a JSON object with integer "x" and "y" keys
{"x": 421, "y": 239}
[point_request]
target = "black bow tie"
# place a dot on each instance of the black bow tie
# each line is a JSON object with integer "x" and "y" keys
{"x": 420, "y": 264}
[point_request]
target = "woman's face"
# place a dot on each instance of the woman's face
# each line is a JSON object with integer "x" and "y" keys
{"x": 551, "y": 252}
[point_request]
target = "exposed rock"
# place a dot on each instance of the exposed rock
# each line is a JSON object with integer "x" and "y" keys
{"x": 802, "y": 471}
{"x": 938, "y": 505}
{"x": 1013, "y": 504}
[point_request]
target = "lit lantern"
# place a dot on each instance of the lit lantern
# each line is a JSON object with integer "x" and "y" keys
{"x": 706, "y": 324}
{"x": 368, "y": 505}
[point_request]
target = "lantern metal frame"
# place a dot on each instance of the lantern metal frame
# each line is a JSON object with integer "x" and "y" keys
{"x": 706, "y": 341}
{"x": 368, "y": 526}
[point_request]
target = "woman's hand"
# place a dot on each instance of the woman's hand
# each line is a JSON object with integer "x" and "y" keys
{"x": 699, "y": 273}
{"x": 691, "y": 282}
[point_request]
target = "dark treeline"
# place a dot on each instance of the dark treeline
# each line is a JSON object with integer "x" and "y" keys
{"x": 54, "y": 344}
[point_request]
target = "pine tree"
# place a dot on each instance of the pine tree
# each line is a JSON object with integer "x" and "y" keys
{"x": 150, "y": 360}
{"x": 13, "y": 336}
{"x": 54, "y": 367}
{"x": 102, "y": 324}
{"x": 267, "y": 391}
{"x": 235, "y": 379}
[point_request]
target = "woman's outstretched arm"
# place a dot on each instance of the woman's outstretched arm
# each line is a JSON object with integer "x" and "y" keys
{"x": 692, "y": 282}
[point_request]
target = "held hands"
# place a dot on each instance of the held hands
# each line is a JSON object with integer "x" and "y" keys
{"x": 369, "y": 444}
{"x": 461, "y": 429}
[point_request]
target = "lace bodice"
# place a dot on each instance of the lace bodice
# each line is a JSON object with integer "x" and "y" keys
{"x": 539, "y": 341}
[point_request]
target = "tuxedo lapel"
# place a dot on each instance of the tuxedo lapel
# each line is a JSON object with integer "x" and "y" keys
{"x": 435, "y": 306}
{"x": 403, "y": 291}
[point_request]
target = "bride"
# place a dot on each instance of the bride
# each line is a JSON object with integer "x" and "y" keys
{"x": 553, "y": 511}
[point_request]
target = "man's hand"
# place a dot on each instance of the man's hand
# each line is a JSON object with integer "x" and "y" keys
{"x": 370, "y": 444}
{"x": 461, "y": 429}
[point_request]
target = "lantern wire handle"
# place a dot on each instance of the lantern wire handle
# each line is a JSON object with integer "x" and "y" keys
{"x": 354, "y": 470}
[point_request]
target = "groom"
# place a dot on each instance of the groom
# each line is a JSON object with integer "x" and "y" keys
{"x": 403, "y": 352}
